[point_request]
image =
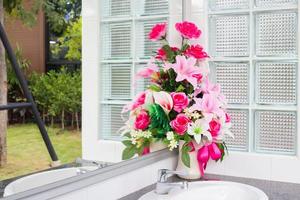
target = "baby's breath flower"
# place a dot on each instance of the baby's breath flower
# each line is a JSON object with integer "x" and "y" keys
{"x": 147, "y": 134}
{"x": 170, "y": 135}
{"x": 173, "y": 144}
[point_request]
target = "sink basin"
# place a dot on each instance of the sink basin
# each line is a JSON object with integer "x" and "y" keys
{"x": 42, "y": 178}
{"x": 211, "y": 190}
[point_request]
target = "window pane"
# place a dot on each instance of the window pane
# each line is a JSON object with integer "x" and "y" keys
{"x": 275, "y": 131}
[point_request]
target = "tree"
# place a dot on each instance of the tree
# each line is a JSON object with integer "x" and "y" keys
{"x": 3, "y": 97}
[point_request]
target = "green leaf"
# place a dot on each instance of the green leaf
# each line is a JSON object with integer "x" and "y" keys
{"x": 180, "y": 88}
{"x": 185, "y": 47}
{"x": 129, "y": 152}
{"x": 154, "y": 88}
{"x": 127, "y": 135}
{"x": 187, "y": 138}
{"x": 185, "y": 157}
{"x": 127, "y": 143}
{"x": 159, "y": 119}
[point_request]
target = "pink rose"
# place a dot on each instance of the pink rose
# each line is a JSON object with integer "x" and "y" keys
{"x": 215, "y": 127}
{"x": 196, "y": 51}
{"x": 180, "y": 124}
{"x": 180, "y": 101}
{"x": 140, "y": 100}
{"x": 188, "y": 30}
{"x": 158, "y": 32}
{"x": 142, "y": 121}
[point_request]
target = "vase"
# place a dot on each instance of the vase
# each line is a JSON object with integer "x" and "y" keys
{"x": 191, "y": 172}
{"x": 157, "y": 146}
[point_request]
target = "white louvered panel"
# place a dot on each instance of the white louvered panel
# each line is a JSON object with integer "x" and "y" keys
{"x": 116, "y": 80}
{"x": 145, "y": 47}
{"x": 228, "y": 4}
{"x": 115, "y": 8}
{"x": 276, "y": 82}
{"x": 142, "y": 83}
{"x": 275, "y": 132}
{"x": 239, "y": 120}
{"x": 276, "y": 34}
{"x": 152, "y": 7}
{"x": 275, "y": 3}
{"x": 234, "y": 81}
{"x": 111, "y": 120}
{"x": 116, "y": 40}
{"x": 229, "y": 35}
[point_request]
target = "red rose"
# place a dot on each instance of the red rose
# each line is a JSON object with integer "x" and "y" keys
{"x": 215, "y": 127}
{"x": 188, "y": 30}
{"x": 142, "y": 121}
{"x": 158, "y": 32}
{"x": 196, "y": 51}
{"x": 180, "y": 124}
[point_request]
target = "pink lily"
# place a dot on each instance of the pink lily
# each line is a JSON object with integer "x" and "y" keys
{"x": 163, "y": 99}
{"x": 186, "y": 70}
{"x": 210, "y": 88}
{"x": 208, "y": 104}
{"x": 148, "y": 71}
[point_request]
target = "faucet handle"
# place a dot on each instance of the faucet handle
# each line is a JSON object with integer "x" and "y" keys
{"x": 163, "y": 174}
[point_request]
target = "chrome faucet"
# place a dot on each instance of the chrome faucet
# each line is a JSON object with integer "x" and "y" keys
{"x": 163, "y": 186}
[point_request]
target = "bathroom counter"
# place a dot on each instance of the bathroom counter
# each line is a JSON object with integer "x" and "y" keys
{"x": 275, "y": 190}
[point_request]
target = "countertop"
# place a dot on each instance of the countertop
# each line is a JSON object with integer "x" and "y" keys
{"x": 275, "y": 190}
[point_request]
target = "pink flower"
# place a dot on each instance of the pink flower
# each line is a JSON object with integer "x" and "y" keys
{"x": 149, "y": 70}
{"x": 161, "y": 54}
{"x": 158, "y": 32}
{"x": 142, "y": 121}
{"x": 180, "y": 101}
{"x": 227, "y": 118}
{"x": 208, "y": 104}
{"x": 186, "y": 70}
{"x": 180, "y": 124}
{"x": 163, "y": 99}
{"x": 198, "y": 77}
{"x": 209, "y": 88}
{"x": 188, "y": 30}
{"x": 215, "y": 128}
{"x": 140, "y": 100}
{"x": 196, "y": 51}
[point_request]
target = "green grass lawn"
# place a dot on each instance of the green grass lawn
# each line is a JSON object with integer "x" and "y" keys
{"x": 27, "y": 153}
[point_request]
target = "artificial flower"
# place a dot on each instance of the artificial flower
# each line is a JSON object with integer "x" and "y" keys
{"x": 148, "y": 71}
{"x": 170, "y": 135}
{"x": 198, "y": 129}
{"x": 210, "y": 88}
{"x": 139, "y": 100}
{"x": 196, "y": 51}
{"x": 186, "y": 70}
{"x": 158, "y": 32}
{"x": 188, "y": 30}
{"x": 180, "y": 124}
{"x": 173, "y": 144}
{"x": 215, "y": 127}
{"x": 142, "y": 121}
{"x": 180, "y": 101}
{"x": 208, "y": 104}
{"x": 162, "y": 55}
{"x": 163, "y": 99}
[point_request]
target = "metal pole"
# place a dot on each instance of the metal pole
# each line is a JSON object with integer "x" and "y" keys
{"x": 27, "y": 93}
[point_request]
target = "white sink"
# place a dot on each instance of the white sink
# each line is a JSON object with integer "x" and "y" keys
{"x": 211, "y": 190}
{"x": 42, "y": 178}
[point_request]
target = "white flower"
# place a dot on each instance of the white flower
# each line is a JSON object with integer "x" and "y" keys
{"x": 133, "y": 133}
{"x": 133, "y": 141}
{"x": 173, "y": 144}
{"x": 147, "y": 134}
{"x": 170, "y": 135}
{"x": 198, "y": 128}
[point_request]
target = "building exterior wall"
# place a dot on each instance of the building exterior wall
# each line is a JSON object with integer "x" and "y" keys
{"x": 30, "y": 39}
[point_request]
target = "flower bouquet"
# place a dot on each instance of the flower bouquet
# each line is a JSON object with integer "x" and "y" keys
{"x": 181, "y": 107}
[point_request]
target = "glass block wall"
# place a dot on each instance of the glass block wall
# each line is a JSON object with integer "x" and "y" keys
{"x": 254, "y": 50}
{"x": 125, "y": 49}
